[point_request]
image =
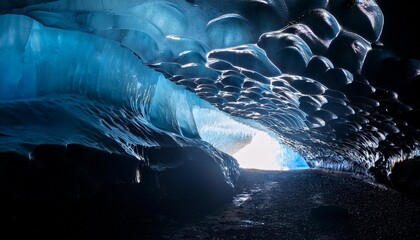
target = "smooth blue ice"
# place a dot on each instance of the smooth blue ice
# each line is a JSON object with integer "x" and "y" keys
{"x": 229, "y": 30}
{"x": 45, "y": 55}
{"x": 132, "y": 74}
{"x": 103, "y": 103}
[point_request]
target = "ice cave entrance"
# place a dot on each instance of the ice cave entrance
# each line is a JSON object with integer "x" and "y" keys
{"x": 251, "y": 146}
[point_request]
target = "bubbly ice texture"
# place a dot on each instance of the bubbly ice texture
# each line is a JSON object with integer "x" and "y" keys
{"x": 130, "y": 74}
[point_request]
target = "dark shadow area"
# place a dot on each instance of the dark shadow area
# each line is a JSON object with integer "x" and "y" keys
{"x": 400, "y": 28}
{"x": 405, "y": 177}
{"x": 65, "y": 192}
{"x": 58, "y": 200}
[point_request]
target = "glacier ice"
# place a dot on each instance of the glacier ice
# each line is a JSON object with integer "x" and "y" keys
{"x": 132, "y": 77}
{"x": 229, "y": 30}
{"x": 370, "y": 19}
{"x": 287, "y": 51}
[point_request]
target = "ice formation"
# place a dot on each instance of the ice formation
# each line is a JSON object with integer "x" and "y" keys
{"x": 131, "y": 77}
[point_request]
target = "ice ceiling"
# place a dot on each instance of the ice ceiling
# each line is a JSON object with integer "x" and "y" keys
{"x": 257, "y": 79}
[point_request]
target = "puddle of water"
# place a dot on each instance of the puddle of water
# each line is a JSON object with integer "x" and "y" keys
{"x": 250, "y": 223}
{"x": 240, "y": 199}
{"x": 269, "y": 185}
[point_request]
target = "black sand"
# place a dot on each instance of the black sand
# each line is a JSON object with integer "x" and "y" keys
{"x": 307, "y": 204}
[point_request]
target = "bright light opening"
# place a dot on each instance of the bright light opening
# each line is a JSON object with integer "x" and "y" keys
{"x": 264, "y": 152}
{"x": 252, "y": 147}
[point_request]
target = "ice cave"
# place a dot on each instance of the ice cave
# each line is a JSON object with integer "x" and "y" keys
{"x": 117, "y": 110}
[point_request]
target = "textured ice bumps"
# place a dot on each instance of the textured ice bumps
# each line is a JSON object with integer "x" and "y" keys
{"x": 312, "y": 72}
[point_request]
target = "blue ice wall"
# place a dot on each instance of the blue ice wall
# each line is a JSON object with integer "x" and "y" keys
{"x": 303, "y": 71}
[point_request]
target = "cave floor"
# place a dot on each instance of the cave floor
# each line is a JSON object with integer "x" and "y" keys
{"x": 281, "y": 205}
{"x": 305, "y": 204}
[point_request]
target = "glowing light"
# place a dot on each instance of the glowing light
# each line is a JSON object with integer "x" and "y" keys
{"x": 260, "y": 153}
{"x": 265, "y": 152}
{"x": 253, "y": 148}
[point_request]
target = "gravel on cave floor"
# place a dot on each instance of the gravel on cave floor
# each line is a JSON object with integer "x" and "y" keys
{"x": 306, "y": 204}
{"x": 281, "y": 205}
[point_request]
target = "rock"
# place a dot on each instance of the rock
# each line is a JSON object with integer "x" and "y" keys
{"x": 405, "y": 178}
